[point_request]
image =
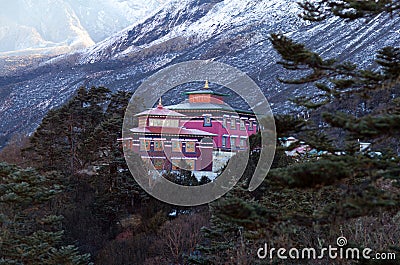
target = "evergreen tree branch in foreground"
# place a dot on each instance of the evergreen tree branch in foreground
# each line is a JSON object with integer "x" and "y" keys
{"x": 311, "y": 201}
{"x": 30, "y": 233}
{"x": 318, "y": 10}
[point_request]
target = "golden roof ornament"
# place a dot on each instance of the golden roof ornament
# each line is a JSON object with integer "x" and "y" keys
{"x": 206, "y": 85}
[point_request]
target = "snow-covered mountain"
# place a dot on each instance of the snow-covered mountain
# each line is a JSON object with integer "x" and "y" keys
{"x": 197, "y": 21}
{"x": 60, "y": 26}
{"x": 235, "y": 32}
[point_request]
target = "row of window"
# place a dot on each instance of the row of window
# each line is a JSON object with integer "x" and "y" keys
{"x": 233, "y": 140}
{"x": 207, "y": 123}
{"x": 233, "y": 123}
{"x": 164, "y": 123}
{"x": 158, "y": 145}
{"x": 188, "y": 147}
{"x": 187, "y": 164}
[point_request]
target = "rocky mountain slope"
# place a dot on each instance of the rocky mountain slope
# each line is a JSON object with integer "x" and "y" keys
{"x": 232, "y": 31}
{"x": 59, "y": 26}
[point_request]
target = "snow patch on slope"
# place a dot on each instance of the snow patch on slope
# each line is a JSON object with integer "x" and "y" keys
{"x": 60, "y": 26}
{"x": 222, "y": 16}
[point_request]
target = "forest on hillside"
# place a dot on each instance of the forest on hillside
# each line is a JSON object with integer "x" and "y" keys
{"x": 67, "y": 196}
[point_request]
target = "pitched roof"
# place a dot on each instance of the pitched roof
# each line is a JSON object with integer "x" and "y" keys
{"x": 199, "y": 106}
{"x": 206, "y": 106}
{"x": 160, "y": 111}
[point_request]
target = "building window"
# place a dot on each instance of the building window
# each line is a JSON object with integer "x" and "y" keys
{"x": 224, "y": 122}
{"x": 207, "y": 121}
{"x": 158, "y": 163}
{"x": 233, "y": 141}
{"x": 144, "y": 145}
{"x": 175, "y": 164}
{"x": 242, "y": 125}
{"x": 176, "y": 146}
{"x": 146, "y": 161}
{"x": 156, "y": 122}
{"x": 171, "y": 123}
{"x": 224, "y": 139}
{"x": 128, "y": 144}
{"x": 189, "y": 164}
{"x": 233, "y": 123}
{"x": 158, "y": 145}
{"x": 164, "y": 123}
{"x": 142, "y": 122}
{"x": 243, "y": 142}
{"x": 190, "y": 147}
{"x": 251, "y": 125}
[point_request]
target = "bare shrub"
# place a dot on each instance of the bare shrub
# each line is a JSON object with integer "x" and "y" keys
{"x": 180, "y": 236}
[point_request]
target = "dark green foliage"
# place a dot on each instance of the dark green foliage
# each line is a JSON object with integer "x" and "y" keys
{"x": 79, "y": 140}
{"x": 288, "y": 124}
{"x": 222, "y": 245}
{"x": 183, "y": 177}
{"x": 334, "y": 79}
{"x": 313, "y": 174}
{"x": 368, "y": 126}
{"x": 106, "y": 211}
{"x": 30, "y": 233}
{"x": 342, "y": 85}
{"x": 62, "y": 140}
{"x": 317, "y": 10}
{"x": 204, "y": 180}
{"x": 389, "y": 59}
{"x": 296, "y": 55}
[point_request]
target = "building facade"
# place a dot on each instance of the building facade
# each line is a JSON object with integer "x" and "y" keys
{"x": 199, "y": 134}
{"x": 209, "y": 112}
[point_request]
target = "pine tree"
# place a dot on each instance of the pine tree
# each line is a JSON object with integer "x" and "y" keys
{"x": 342, "y": 83}
{"x": 62, "y": 141}
{"x": 341, "y": 86}
{"x": 318, "y": 10}
{"x": 79, "y": 141}
{"x": 30, "y": 233}
{"x": 310, "y": 201}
